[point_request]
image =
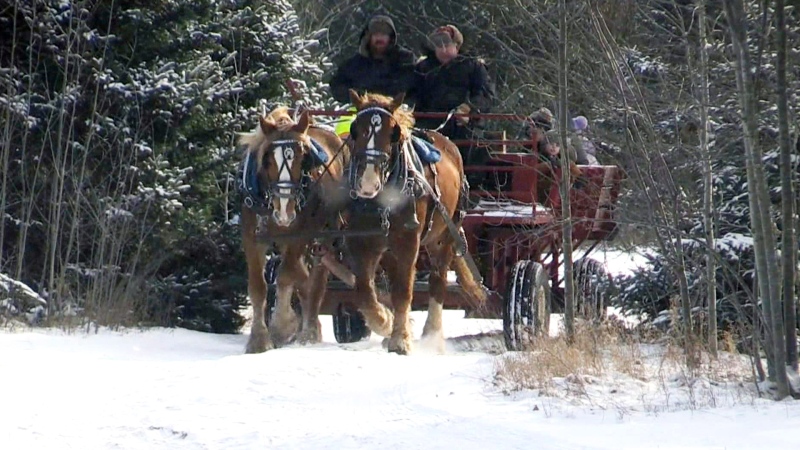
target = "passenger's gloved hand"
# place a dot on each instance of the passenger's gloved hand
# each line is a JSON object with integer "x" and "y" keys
{"x": 462, "y": 109}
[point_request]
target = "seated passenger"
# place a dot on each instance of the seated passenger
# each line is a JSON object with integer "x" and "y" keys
{"x": 542, "y": 122}
{"x": 585, "y": 148}
{"x": 550, "y": 160}
{"x": 447, "y": 80}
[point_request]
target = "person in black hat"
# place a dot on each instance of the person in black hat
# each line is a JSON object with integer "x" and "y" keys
{"x": 449, "y": 81}
{"x": 381, "y": 66}
{"x": 446, "y": 81}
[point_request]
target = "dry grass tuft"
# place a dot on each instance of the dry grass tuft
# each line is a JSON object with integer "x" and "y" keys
{"x": 586, "y": 357}
{"x": 607, "y": 360}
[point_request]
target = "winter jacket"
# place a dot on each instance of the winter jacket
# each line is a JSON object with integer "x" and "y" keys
{"x": 440, "y": 88}
{"x": 391, "y": 75}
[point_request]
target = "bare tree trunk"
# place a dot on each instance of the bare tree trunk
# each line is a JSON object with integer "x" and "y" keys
{"x": 6, "y": 151}
{"x": 708, "y": 185}
{"x": 756, "y": 339}
{"x": 683, "y": 287}
{"x": 763, "y": 237}
{"x": 789, "y": 245}
{"x": 569, "y": 285}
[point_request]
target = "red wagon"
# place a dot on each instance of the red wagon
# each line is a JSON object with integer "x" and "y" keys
{"x": 514, "y": 237}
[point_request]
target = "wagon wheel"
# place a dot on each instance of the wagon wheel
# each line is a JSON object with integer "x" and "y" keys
{"x": 271, "y": 277}
{"x": 592, "y": 286}
{"x": 349, "y": 325}
{"x": 526, "y": 307}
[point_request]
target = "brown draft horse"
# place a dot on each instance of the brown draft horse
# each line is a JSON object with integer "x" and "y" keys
{"x": 381, "y": 144}
{"x": 281, "y": 161}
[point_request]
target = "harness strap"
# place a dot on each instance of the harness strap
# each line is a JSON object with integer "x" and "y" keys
{"x": 377, "y": 109}
{"x": 431, "y": 206}
{"x": 455, "y": 232}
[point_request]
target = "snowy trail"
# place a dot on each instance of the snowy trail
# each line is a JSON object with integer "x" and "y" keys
{"x": 179, "y": 389}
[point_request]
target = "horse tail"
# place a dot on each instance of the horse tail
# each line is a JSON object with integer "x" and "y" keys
{"x": 471, "y": 286}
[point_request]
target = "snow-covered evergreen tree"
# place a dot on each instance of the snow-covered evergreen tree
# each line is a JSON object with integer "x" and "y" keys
{"x": 120, "y": 133}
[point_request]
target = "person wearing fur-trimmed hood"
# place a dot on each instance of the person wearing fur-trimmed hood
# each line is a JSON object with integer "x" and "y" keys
{"x": 381, "y": 65}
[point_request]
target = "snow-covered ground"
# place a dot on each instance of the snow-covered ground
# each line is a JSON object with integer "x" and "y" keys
{"x": 179, "y": 389}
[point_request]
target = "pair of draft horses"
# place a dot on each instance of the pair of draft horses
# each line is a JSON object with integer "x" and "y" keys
{"x": 301, "y": 171}
{"x": 303, "y": 197}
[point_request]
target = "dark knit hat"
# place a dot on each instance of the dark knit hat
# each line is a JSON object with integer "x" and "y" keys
{"x": 446, "y": 34}
{"x": 543, "y": 119}
{"x": 381, "y": 24}
{"x": 377, "y": 24}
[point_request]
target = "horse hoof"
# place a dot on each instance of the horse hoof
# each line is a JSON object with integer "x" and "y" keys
{"x": 400, "y": 346}
{"x": 309, "y": 337}
{"x": 259, "y": 343}
{"x": 433, "y": 342}
{"x": 282, "y": 340}
{"x": 284, "y": 330}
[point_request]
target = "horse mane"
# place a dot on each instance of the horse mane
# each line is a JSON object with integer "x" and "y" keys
{"x": 404, "y": 118}
{"x": 252, "y": 140}
{"x": 282, "y": 120}
{"x": 281, "y": 117}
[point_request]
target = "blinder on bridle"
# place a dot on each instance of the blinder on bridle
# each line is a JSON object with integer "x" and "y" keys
{"x": 396, "y": 132}
{"x": 289, "y": 189}
{"x": 372, "y": 155}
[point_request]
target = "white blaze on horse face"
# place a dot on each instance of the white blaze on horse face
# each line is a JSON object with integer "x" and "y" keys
{"x": 282, "y": 216}
{"x": 370, "y": 184}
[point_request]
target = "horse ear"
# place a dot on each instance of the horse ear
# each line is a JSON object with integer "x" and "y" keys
{"x": 397, "y": 101}
{"x": 355, "y": 99}
{"x": 302, "y": 124}
{"x": 267, "y": 126}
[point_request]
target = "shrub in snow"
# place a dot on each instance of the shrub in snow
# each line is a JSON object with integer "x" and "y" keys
{"x": 18, "y": 300}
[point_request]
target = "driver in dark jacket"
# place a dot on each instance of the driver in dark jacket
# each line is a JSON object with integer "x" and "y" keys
{"x": 447, "y": 80}
{"x": 381, "y": 66}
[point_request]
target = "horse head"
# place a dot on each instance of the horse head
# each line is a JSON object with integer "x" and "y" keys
{"x": 377, "y": 133}
{"x": 280, "y": 156}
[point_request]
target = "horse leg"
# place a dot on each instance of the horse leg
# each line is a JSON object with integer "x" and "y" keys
{"x": 290, "y": 273}
{"x": 406, "y": 250}
{"x": 312, "y": 300}
{"x": 441, "y": 255}
{"x": 379, "y": 319}
{"x": 256, "y": 258}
